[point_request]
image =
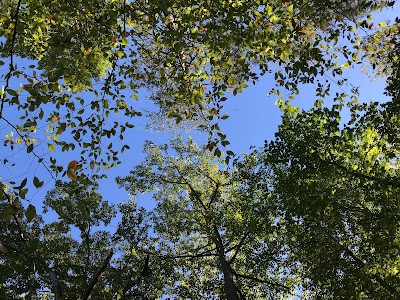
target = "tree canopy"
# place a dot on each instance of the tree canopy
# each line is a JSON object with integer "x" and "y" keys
{"x": 314, "y": 214}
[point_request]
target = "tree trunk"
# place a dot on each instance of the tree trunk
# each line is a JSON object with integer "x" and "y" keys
{"x": 229, "y": 285}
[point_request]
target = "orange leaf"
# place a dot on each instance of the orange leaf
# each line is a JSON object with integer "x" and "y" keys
{"x": 73, "y": 164}
{"x": 87, "y": 52}
{"x": 55, "y": 119}
{"x": 286, "y": 3}
{"x": 202, "y": 28}
{"x": 303, "y": 31}
{"x": 71, "y": 175}
{"x": 370, "y": 25}
{"x": 114, "y": 39}
{"x": 92, "y": 165}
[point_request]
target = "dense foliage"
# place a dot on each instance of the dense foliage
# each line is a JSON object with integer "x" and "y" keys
{"x": 312, "y": 215}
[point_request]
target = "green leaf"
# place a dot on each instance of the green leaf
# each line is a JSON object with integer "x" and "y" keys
{"x": 29, "y": 149}
{"x": 30, "y": 212}
{"x": 22, "y": 193}
{"x": 8, "y": 213}
{"x": 37, "y": 183}
{"x": 51, "y": 147}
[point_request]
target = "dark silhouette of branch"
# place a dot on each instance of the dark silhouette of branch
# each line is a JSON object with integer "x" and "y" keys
{"x": 238, "y": 246}
{"x": 262, "y": 281}
{"x": 96, "y": 276}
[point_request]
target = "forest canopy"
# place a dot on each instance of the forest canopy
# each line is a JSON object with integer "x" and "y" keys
{"x": 313, "y": 214}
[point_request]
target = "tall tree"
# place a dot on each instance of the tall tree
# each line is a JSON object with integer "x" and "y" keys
{"x": 209, "y": 222}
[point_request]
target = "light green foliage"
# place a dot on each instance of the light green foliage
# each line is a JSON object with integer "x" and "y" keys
{"x": 338, "y": 186}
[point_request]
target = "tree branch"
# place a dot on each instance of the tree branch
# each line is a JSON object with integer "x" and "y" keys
{"x": 238, "y": 246}
{"x": 96, "y": 277}
{"x": 262, "y": 281}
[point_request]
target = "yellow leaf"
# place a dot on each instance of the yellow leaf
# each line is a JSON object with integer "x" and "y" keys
{"x": 55, "y": 119}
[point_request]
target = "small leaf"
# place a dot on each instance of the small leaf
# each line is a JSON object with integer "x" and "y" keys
{"x": 120, "y": 54}
{"x": 30, "y": 212}
{"x": 92, "y": 165}
{"x": 55, "y": 119}
{"x": 22, "y": 193}
{"x": 71, "y": 175}
{"x": 124, "y": 42}
{"x": 87, "y": 52}
{"x": 37, "y": 183}
{"x": 23, "y": 183}
{"x": 73, "y": 164}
